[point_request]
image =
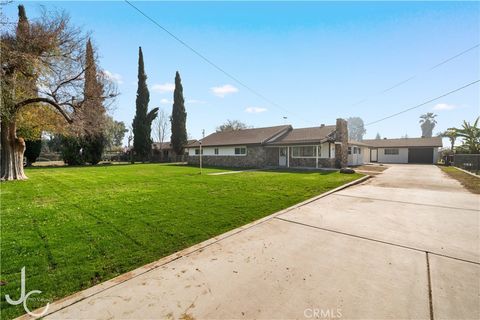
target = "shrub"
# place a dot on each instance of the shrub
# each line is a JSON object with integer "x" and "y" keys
{"x": 32, "y": 150}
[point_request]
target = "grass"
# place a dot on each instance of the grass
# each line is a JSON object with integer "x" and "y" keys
{"x": 75, "y": 227}
{"x": 470, "y": 182}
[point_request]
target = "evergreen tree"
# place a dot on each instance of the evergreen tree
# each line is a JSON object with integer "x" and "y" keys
{"x": 378, "y": 136}
{"x": 142, "y": 123}
{"x": 179, "y": 118}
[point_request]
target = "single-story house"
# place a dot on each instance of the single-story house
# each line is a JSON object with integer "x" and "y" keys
{"x": 404, "y": 150}
{"x": 324, "y": 146}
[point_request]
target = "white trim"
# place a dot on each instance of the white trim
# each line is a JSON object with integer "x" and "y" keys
{"x": 303, "y": 157}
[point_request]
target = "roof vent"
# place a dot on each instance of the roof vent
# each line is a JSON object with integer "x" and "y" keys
{"x": 384, "y": 138}
{"x": 322, "y": 125}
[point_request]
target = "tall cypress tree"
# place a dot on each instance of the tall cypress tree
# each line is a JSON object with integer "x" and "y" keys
{"x": 179, "y": 118}
{"x": 142, "y": 123}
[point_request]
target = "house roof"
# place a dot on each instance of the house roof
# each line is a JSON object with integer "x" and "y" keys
{"x": 305, "y": 135}
{"x": 404, "y": 142}
{"x": 242, "y": 137}
{"x": 167, "y": 145}
{"x": 358, "y": 143}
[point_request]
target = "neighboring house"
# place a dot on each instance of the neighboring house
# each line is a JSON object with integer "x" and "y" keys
{"x": 279, "y": 146}
{"x": 164, "y": 151}
{"x": 404, "y": 150}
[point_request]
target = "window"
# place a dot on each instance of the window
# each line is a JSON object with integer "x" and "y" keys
{"x": 391, "y": 151}
{"x": 349, "y": 150}
{"x": 241, "y": 151}
{"x": 359, "y": 150}
{"x": 303, "y": 152}
{"x": 197, "y": 151}
{"x": 216, "y": 151}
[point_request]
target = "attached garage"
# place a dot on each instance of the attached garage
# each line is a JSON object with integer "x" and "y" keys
{"x": 420, "y": 155}
{"x": 405, "y": 150}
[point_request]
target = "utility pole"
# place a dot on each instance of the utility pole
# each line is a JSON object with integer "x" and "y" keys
{"x": 201, "y": 152}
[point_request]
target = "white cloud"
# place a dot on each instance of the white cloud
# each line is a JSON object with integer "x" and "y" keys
{"x": 222, "y": 91}
{"x": 444, "y": 106}
{"x": 115, "y": 77}
{"x": 255, "y": 110}
{"x": 166, "y": 101}
{"x": 165, "y": 87}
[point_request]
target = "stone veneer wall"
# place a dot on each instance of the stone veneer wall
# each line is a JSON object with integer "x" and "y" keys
{"x": 341, "y": 145}
{"x": 255, "y": 158}
{"x": 272, "y": 157}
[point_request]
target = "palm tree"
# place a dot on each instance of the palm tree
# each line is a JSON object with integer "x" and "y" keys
{"x": 471, "y": 136}
{"x": 428, "y": 122}
{"x": 451, "y": 134}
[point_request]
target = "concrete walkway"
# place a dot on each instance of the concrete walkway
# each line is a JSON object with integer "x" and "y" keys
{"x": 402, "y": 245}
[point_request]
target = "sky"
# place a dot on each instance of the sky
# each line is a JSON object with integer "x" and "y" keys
{"x": 314, "y": 60}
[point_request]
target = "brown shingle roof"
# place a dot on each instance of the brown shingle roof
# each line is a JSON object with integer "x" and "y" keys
{"x": 242, "y": 137}
{"x": 305, "y": 135}
{"x": 404, "y": 142}
{"x": 167, "y": 145}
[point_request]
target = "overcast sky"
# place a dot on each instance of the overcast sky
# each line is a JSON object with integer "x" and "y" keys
{"x": 315, "y": 61}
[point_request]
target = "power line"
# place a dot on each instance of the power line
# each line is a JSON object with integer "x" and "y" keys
{"x": 416, "y": 75}
{"x": 424, "y": 103}
{"x": 211, "y": 63}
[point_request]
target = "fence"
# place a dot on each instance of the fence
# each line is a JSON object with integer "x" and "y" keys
{"x": 470, "y": 162}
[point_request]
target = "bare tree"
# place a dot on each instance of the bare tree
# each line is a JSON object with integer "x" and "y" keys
{"x": 232, "y": 125}
{"x": 161, "y": 127}
{"x": 43, "y": 63}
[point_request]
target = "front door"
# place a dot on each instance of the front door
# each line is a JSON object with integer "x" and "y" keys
{"x": 373, "y": 155}
{"x": 282, "y": 156}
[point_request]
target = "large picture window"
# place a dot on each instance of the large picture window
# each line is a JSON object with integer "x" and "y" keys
{"x": 303, "y": 152}
{"x": 391, "y": 151}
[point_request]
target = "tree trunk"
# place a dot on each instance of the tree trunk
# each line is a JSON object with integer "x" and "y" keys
{"x": 12, "y": 152}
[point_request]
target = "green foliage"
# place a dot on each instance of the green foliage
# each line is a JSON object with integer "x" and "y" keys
{"x": 114, "y": 132}
{"x": 72, "y": 153}
{"x": 179, "y": 118}
{"x": 142, "y": 123}
{"x": 471, "y": 136}
{"x": 81, "y": 150}
{"x": 74, "y": 227}
{"x": 93, "y": 147}
{"x": 32, "y": 150}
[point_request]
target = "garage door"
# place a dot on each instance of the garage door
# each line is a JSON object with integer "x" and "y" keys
{"x": 420, "y": 155}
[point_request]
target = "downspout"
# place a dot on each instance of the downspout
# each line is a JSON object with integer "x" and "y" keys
{"x": 316, "y": 153}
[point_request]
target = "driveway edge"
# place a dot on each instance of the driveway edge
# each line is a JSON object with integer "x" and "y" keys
{"x": 84, "y": 294}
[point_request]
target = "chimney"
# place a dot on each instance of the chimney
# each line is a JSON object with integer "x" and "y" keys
{"x": 384, "y": 138}
{"x": 322, "y": 125}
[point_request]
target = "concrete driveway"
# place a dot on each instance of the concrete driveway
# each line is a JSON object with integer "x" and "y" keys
{"x": 404, "y": 244}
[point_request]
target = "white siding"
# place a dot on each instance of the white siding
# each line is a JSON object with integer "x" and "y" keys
{"x": 435, "y": 155}
{"x": 366, "y": 154}
{"x": 401, "y": 157}
{"x": 355, "y": 159}
{"x": 324, "y": 150}
{"x": 222, "y": 151}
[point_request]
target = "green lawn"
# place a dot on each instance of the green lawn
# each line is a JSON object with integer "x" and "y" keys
{"x": 75, "y": 227}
